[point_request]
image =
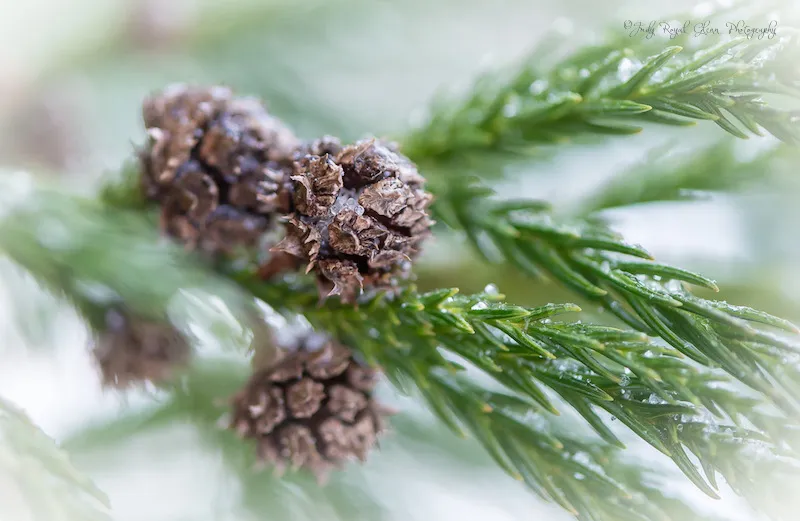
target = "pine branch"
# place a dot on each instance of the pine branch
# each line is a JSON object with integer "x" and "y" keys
{"x": 665, "y": 176}
{"x": 50, "y": 486}
{"x": 598, "y": 264}
{"x": 493, "y": 418}
{"x": 639, "y": 494}
{"x": 81, "y": 251}
{"x": 590, "y": 367}
{"x": 197, "y": 398}
{"x": 608, "y": 90}
{"x": 647, "y": 483}
{"x": 210, "y": 381}
{"x": 422, "y": 341}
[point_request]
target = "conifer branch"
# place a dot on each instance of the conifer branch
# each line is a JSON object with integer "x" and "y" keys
{"x": 197, "y": 398}
{"x": 664, "y": 176}
{"x": 590, "y": 259}
{"x": 711, "y": 386}
{"x": 422, "y": 341}
{"x": 79, "y": 250}
{"x": 608, "y": 90}
{"x": 209, "y": 381}
{"x": 591, "y": 368}
{"x": 50, "y": 487}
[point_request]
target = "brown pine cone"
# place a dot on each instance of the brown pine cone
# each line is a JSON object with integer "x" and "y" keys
{"x": 217, "y": 164}
{"x": 311, "y": 410}
{"x": 132, "y": 350}
{"x": 360, "y": 216}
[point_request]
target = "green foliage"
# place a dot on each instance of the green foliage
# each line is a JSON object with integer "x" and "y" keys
{"x": 665, "y": 175}
{"x": 197, "y": 398}
{"x": 122, "y": 189}
{"x": 50, "y": 488}
{"x": 710, "y": 385}
{"x": 70, "y": 247}
{"x": 667, "y": 401}
{"x": 211, "y": 380}
{"x": 645, "y": 481}
{"x": 424, "y": 343}
{"x": 608, "y": 90}
{"x": 591, "y": 260}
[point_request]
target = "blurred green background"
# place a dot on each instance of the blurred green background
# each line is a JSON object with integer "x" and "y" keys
{"x": 73, "y": 77}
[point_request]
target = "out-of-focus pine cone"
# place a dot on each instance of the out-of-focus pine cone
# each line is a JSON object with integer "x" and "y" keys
{"x": 313, "y": 409}
{"x": 217, "y": 164}
{"x": 360, "y": 215}
{"x": 132, "y": 350}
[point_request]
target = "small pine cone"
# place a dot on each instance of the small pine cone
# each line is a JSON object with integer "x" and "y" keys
{"x": 360, "y": 216}
{"x": 217, "y": 164}
{"x": 132, "y": 350}
{"x": 313, "y": 409}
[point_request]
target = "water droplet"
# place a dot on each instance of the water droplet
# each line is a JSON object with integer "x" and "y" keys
{"x": 491, "y": 289}
{"x": 582, "y": 458}
{"x": 538, "y": 87}
{"x": 579, "y": 476}
{"x": 660, "y": 75}
{"x": 480, "y": 305}
{"x": 627, "y": 68}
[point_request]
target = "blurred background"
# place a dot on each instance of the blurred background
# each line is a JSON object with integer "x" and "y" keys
{"x": 73, "y": 77}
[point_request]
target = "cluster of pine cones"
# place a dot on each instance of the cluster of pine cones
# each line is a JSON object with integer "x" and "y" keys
{"x": 226, "y": 173}
{"x": 233, "y": 181}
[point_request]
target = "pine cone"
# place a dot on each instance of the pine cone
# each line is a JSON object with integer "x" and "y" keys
{"x": 360, "y": 216}
{"x": 132, "y": 350}
{"x": 312, "y": 410}
{"x": 217, "y": 164}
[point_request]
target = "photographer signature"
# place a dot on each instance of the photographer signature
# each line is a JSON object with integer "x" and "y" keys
{"x": 648, "y": 30}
